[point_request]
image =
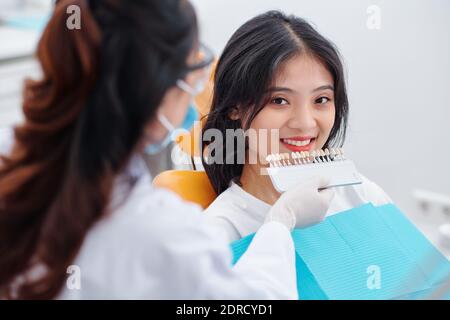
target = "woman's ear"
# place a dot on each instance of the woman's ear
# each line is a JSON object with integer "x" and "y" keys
{"x": 234, "y": 114}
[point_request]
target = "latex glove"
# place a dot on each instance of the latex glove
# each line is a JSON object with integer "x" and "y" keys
{"x": 303, "y": 205}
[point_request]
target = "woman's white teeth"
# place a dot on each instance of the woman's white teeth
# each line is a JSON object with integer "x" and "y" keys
{"x": 297, "y": 143}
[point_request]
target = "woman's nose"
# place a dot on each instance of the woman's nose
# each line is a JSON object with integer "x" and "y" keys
{"x": 302, "y": 117}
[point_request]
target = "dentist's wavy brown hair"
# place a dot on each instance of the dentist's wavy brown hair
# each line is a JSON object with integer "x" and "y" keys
{"x": 101, "y": 85}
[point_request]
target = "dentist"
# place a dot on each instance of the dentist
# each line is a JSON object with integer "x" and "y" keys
{"x": 79, "y": 218}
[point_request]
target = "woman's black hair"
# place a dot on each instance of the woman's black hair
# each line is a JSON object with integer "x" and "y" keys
{"x": 246, "y": 69}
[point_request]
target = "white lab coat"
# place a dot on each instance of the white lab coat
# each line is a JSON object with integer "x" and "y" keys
{"x": 156, "y": 246}
{"x": 153, "y": 245}
{"x": 236, "y": 213}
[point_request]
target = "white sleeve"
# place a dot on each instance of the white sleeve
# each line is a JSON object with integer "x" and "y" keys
{"x": 265, "y": 271}
{"x": 198, "y": 263}
{"x": 278, "y": 259}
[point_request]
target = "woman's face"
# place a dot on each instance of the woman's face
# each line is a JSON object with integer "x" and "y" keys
{"x": 301, "y": 108}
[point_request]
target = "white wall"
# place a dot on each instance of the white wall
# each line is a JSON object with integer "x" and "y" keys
{"x": 398, "y": 82}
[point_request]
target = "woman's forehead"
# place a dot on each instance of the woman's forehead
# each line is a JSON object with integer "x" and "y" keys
{"x": 302, "y": 71}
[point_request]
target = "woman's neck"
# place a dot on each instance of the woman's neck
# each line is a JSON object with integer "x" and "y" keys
{"x": 258, "y": 184}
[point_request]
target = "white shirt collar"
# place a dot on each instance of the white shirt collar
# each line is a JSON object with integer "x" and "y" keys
{"x": 249, "y": 202}
{"x": 252, "y": 213}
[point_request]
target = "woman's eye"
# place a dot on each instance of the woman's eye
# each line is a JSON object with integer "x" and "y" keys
{"x": 280, "y": 101}
{"x": 323, "y": 100}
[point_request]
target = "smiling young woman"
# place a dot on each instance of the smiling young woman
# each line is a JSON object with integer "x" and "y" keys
{"x": 276, "y": 73}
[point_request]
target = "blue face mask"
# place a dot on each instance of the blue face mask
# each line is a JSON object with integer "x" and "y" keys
{"x": 190, "y": 118}
{"x": 172, "y": 132}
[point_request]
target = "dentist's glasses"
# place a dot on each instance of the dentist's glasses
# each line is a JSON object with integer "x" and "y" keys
{"x": 203, "y": 60}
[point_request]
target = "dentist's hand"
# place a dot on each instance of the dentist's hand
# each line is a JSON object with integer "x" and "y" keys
{"x": 303, "y": 205}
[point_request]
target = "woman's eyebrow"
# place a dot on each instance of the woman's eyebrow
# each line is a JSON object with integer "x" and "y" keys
{"x": 286, "y": 89}
{"x": 271, "y": 89}
{"x": 325, "y": 87}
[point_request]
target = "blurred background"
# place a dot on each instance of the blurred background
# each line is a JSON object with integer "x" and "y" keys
{"x": 397, "y": 57}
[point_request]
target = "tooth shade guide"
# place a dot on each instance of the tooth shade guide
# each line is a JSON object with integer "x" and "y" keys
{"x": 304, "y": 157}
{"x": 287, "y": 169}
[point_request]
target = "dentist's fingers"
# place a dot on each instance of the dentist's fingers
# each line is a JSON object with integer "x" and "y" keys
{"x": 303, "y": 205}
